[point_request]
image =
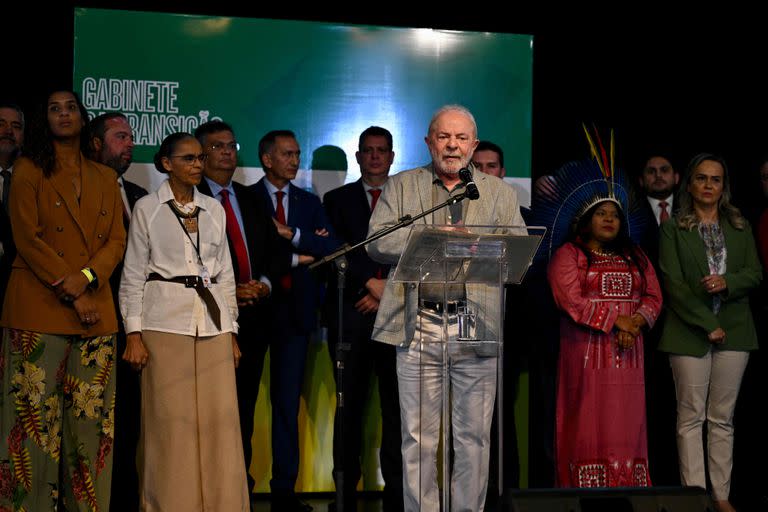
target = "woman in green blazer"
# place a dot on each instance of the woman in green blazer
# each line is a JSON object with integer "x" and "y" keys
{"x": 709, "y": 264}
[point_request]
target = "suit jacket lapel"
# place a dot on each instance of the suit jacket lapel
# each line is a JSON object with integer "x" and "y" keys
{"x": 294, "y": 205}
{"x": 204, "y": 188}
{"x": 424, "y": 184}
{"x": 692, "y": 240}
{"x": 91, "y": 199}
{"x": 476, "y": 209}
{"x": 733, "y": 244}
{"x": 261, "y": 188}
{"x": 362, "y": 198}
{"x": 248, "y": 213}
{"x": 63, "y": 186}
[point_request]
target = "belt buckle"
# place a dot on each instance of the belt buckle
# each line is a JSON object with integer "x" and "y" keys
{"x": 190, "y": 281}
{"x": 432, "y": 305}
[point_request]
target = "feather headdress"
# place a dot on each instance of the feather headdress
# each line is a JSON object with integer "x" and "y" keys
{"x": 559, "y": 200}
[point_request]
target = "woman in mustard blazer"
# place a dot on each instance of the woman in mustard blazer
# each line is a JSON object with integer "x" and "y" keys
{"x": 709, "y": 265}
{"x": 56, "y": 390}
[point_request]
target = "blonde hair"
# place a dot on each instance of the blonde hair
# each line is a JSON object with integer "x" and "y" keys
{"x": 686, "y": 217}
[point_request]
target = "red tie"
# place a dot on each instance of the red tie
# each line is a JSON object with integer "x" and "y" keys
{"x": 375, "y": 193}
{"x": 236, "y": 237}
{"x": 664, "y": 212}
{"x": 285, "y": 281}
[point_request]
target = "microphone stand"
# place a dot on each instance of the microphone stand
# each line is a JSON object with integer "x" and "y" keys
{"x": 340, "y": 260}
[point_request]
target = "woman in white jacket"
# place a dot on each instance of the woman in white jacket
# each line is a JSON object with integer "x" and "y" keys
{"x": 177, "y": 298}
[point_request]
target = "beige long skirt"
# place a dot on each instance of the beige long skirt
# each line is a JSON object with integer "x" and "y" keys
{"x": 190, "y": 452}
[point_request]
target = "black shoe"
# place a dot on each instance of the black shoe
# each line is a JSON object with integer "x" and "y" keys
{"x": 289, "y": 503}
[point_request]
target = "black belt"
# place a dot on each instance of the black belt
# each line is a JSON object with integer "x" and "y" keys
{"x": 451, "y": 307}
{"x": 195, "y": 282}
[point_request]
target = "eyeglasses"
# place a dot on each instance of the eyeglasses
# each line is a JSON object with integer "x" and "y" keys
{"x": 190, "y": 159}
{"x": 221, "y": 146}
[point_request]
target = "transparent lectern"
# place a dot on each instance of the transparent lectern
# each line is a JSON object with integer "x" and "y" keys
{"x": 449, "y": 383}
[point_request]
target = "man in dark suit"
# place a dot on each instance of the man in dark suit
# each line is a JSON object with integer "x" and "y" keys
{"x": 301, "y": 222}
{"x": 256, "y": 258}
{"x": 657, "y": 182}
{"x": 488, "y": 158}
{"x": 11, "y": 140}
{"x": 111, "y": 143}
{"x": 349, "y": 210}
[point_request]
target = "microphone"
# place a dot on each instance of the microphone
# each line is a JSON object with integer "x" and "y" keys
{"x": 466, "y": 177}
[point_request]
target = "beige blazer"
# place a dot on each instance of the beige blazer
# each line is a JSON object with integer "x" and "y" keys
{"x": 56, "y": 235}
{"x": 410, "y": 193}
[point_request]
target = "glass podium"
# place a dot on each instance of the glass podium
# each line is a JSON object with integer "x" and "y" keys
{"x": 454, "y": 375}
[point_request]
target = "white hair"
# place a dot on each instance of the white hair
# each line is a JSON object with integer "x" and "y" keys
{"x": 452, "y": 108}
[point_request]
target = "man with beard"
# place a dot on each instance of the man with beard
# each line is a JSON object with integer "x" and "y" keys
{"x": 409, "y": 314}
{"x": 111, "y": 143}
{"x": 11, "y": 140}
{"x": 657, "y": 182}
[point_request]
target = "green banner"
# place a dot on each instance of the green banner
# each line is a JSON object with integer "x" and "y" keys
{"x": 326, "y": 82}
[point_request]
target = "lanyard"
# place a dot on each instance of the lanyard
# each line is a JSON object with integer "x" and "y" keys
{"x": 194, "y": 215}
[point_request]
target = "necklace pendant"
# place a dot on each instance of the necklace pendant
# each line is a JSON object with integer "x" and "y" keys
{"x": 190, "y": 224}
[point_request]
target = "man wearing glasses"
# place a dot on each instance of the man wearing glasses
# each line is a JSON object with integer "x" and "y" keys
{"x": 255, "y": 250}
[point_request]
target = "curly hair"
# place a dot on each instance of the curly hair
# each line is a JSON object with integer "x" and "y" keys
{"x": 39, "y": 139}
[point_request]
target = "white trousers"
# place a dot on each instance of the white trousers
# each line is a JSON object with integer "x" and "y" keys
{"x": 707, "y": 388}
{"x": 472, "y": 389}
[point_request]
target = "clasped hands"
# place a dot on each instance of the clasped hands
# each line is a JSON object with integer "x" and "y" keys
{"x": 71, "y": 290}
{"x": 251, "y": 292}
{"x": 628, "y": 329}
{"x": 370, "y": 302}
{"x": 714, "y": 283}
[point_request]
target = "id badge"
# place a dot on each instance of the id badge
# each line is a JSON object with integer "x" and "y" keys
{"x": 205, "y": 277}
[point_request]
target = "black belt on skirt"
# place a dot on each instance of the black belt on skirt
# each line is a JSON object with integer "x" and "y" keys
{"x": 195, "y": 282}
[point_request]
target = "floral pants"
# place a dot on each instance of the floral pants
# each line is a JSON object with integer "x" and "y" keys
{"x": 57, "y": 403}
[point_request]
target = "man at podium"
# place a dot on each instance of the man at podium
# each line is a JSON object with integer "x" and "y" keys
{"x": 410, "y": 313}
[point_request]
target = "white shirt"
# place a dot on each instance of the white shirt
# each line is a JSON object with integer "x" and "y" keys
{"x": 157, "y": 243}
{"x": 272, "y": 190}
{"x": 126, "y": 204}
{"x": 657, "y": 209}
